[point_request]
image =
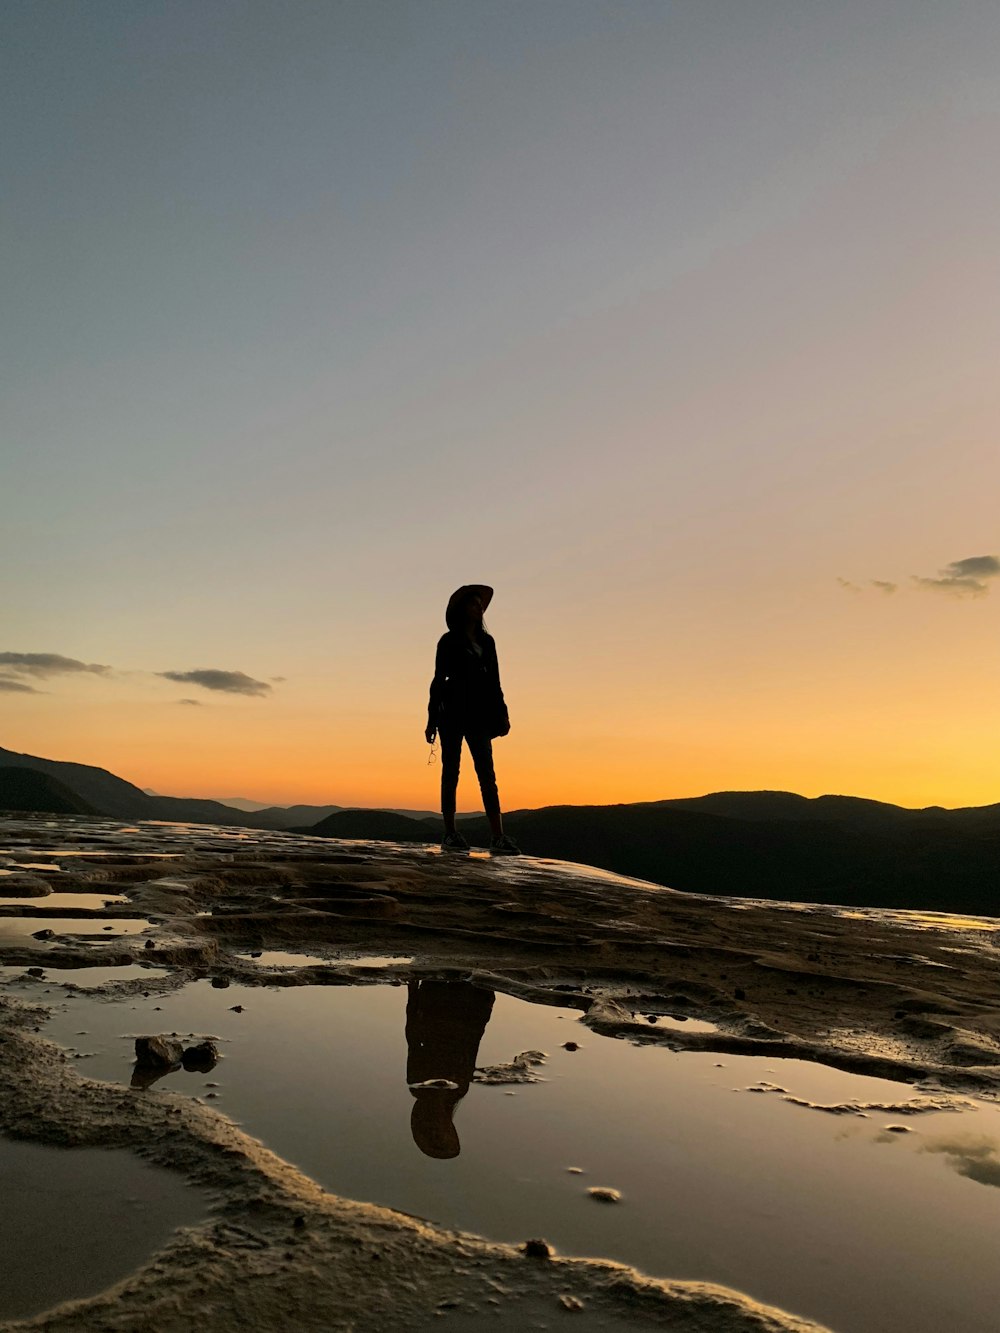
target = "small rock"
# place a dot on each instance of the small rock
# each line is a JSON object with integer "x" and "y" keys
{"x": 570, "y": 1046}
{"x": 574, "y": 1170}
{"x": 571, "y": 1302}
{"x": 150, "y": 944}
{"x": 537, "y": 1249}
{"x": 740, "y": 993}
{"x": 236, "y": 1009}
{"x": 201, "y": 1058}
{"x": 36, "y": 971}
{"x": 604, "y": 1194}
{"x": 45, "y": 934}
{"x": 220, "y": 983}
{"x": 299, "y": 1223}
{"x": 158, "y": 1052}
{"x": 897, "y": 1129}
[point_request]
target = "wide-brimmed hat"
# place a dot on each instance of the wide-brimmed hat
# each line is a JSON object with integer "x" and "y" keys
{"x": 462, "y": 594}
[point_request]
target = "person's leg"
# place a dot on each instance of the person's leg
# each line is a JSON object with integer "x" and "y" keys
{"x": 451, "y": 759}
{"x": 481, "y": 748}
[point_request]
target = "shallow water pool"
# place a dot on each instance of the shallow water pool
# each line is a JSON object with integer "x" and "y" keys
{"x": 21, "y": 930}
{"x": 99, "y": 1212}
{"x": 40, "y": 905}
{"x": 869, "y": 1224}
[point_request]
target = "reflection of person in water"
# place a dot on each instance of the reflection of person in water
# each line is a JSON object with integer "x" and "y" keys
{"x": 445, "y": 1022}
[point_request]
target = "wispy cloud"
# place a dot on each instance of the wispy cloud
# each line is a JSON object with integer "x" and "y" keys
{"x": 228, "y": 682}
{"x": 17, "y": 670}
{"x": 976, "y": 1159}
{"x": 962, "y": 578}
{"x": 17, "y": 686}
{"x": 49, "y": 664}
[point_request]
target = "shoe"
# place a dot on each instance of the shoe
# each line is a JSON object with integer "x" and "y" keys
{"x": 504, "y": 846}
{"x": 454, "y": 842}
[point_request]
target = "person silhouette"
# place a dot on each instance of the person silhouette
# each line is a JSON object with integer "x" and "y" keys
{"x": 466, "y": 702}
{"x": 445, "y": 1022}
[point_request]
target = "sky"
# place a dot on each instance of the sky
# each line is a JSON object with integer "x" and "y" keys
{"x": 677, "y": 323}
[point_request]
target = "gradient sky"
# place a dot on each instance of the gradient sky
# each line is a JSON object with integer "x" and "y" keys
{"x": 676, "y": 322}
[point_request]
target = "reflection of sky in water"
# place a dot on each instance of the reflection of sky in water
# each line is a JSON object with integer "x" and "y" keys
{"x": 975, "y": 1158}
{"x": 20, "y": 929}
{"x": 679, "y": 1024}
{"x": 96, "y": 899}
{"x": 83, "y": 852}
{"x": 281, "y": 958}
{"x": 830, "y": 1217}
{"x": 101, "y": 1212}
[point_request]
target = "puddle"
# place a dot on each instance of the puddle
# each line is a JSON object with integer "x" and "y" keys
{"x": 280, "y": 958}
{"x": 277, "y": 958}
{"x": 679, "y": 1024}
{"x": 374, "y": 960}
{"x": 838, "y": 1218}
{"x": 95, "y": 900}
{"x": 20, "y": 930}
{"x": 99, "y": 1213}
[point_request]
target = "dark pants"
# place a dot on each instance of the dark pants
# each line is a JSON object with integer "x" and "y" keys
{"x": 481, "y": 749}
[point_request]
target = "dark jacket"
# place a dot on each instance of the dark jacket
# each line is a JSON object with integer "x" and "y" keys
{"x": 466, "y": 688}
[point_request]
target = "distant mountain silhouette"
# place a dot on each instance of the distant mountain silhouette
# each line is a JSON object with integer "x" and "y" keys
{"x": 106, "y": 793}
{"x": 111, "y": 795}
{"x": 787, "y": 806}
{"x": 295, "y": 816}
{"x": 238, "y": 803}
{"x": 386, "y": 825}
{"x": 28, "y": 789}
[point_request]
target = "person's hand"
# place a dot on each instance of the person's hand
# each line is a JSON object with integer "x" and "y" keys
{"x": 430, "y": 735}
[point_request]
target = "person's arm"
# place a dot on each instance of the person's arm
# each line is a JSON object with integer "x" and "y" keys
{"x": 437, "y": 688}
{"x": 495, "y": 672}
